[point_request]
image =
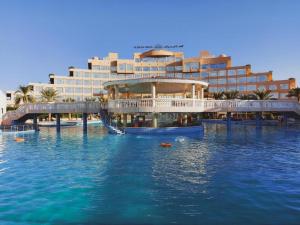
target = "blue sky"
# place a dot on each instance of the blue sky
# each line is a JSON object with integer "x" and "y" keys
{"x": 42, "y": 37}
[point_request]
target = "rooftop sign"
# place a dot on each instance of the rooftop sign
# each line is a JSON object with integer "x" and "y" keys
{"x": 158, "y": 46}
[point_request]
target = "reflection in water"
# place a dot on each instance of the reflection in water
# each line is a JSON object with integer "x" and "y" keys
{"x": 226, "y": 176}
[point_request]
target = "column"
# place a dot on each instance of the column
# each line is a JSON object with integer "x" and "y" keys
{"x": 193, "y": 94}
{"x": 202, "y": 93}
{"x": 57, "y": 122}
{"x": 228, "y": 119}
{"x": 125, "y": 120}
{"x": 185, "y": 119}
{"x": 116, "y": 92}
{"x": 35, "y": 122}
{"x": 258, "y": 119}
{"x": 153, "y": 92}
{"x": 154, "y": 120}
{"x": 132, "y": 119}
{"x": 84, "y": 120}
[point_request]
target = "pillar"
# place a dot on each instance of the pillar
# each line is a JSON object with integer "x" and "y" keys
{"x": 153, "y": 92}
{"x": 116, "y": 92}
{"x": 35, "y": 122}
{"x": 285, "y": 119}
{"x": 257, "y": 119}
{"x": 185, "y": 119}
{"x": 125, "y": 120}
{"x": 57, "y": 122}
{"x": 228, "y": 119}
{"x": 202, "y": 93}
{"x": 154, "y": 120}
{"x": 84, "y": 121}
{"x": 193, "y": 91}
{"x": 132, "y": 119}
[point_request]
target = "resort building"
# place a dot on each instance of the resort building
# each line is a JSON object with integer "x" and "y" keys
{"x": 217, "y": 71}
{"x": 2, "y": 105}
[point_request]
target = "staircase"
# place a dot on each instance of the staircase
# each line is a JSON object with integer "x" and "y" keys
{"x": 107, "y": 123}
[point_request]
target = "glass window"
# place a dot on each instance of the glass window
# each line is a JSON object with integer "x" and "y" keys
{"x": 204, "y": 66}
{"x": 213, "y": 89}
{"x": 60, "y": 90}
{"x": 204, "y": 74}
{"x": 221, "y": 89}
{"x": 129, "y": 67}
{"x": 178, "y": 68}
{"x": 162, "y": 68}
{"x": 138, "y": 68}
{"x": 69, "y": 90}
{"x": 87, "y": 82}
{"x": 241, "y": 88}
{"x": 262, "y": 78}
{"x": 261, "y": 87}
{"x": 241, "y": 79}
{"x": 87, "y": 90}
{"x": 122, "y": 66}
{"x": 222, "y": 73}
{"x": 213, "y": 74}
{"x": 251, "y": 79}
{"x": 191, "y": 66}
{"x": 96, "y": 82}
{"x": 153, "y": 68}
{"x": 241, "y": 71}
{"x": 284, "y": 86}
{"x": 272, "y": 87}
{"x": 59, "y": 81}
{"x": 70, "y": 82}
{"x": 251, "y": 87}
{"x": 78, "y": 90}
{"x": 231, "y": 80}
{"x": 170, "y": 68}
{"x": 231, "y": 72}
{"x": 231, "y": 88}
{"x": 78, "y": 82}
{"x": 146, "y": 68}
{"x": 222, "y": 81}
{"x": 213, "y": 81}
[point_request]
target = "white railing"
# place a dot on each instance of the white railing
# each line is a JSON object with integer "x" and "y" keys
{"x": 155, "y": 105}
{"x": 63, "y": 107}
{"x": 196, "y": 105}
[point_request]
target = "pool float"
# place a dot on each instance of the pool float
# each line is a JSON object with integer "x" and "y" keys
{"x": 166, "y": 145}
{"x": 18, "y": 139}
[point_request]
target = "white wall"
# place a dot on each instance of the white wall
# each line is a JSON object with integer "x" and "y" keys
{"x": 2, "y": 104}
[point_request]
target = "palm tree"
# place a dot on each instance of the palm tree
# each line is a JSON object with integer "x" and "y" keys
{"x": 231, "y": 94}
{"x": 49, "y": 95}
{"x": 295, "y": 92}
{"x": 262, "y": 94}
{"x": 218, "y": 95}
{"x": 69, "y": 100}
{"x": 247, "y": 97}
{"x": 24, "y": 95}
{"x": 90, "y": 99}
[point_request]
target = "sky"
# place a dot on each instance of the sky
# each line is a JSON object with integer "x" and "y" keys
{"x": 42, "y": 37}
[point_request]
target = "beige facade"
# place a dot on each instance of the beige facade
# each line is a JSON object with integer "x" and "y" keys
{"x": 216, "y": 70}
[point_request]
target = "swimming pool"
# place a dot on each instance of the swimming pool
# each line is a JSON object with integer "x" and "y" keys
{"x": 239, "y": 176}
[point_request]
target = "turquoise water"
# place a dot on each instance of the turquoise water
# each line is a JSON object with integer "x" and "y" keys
{"x": 239, "y": 176}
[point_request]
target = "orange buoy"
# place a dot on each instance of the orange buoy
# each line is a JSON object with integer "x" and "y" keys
{"x": 166, "y": 145}
{"x": 18, "y": 139}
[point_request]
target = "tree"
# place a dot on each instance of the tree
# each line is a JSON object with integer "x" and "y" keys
{"x": 69, "y": 100}
{"x": 90, "y": 99}
{"x": 231, "y": 94}
{"x": 247, "y": 97}
{"x": 262, "y": 94}
{"x": 218, "y": 95}
{"x": 49, "y": 95}
{"x": 295, "y": 92}
{"x": 24, "y": 95}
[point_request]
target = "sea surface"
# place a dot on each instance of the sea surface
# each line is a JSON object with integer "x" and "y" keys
{"x": 242, "y": 175}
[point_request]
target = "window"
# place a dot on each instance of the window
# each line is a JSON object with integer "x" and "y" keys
{"x": 87, "y": 90}
{"x": 275, "y": 95}
{"x": 231, "y": 80}
{"x": 70, "y": 82}
{"x": 161, "y": 68}
{"x": 122, "y": 66}
{"x": 60, "y": 90}
{"x": 78, "y": 90}
{"x": 87, "y": 82}
{"x": 204, "y": 66}
{"x": 241, "y": 71}
{"x": 284, "y": 86}
{"x": 96, "y": 82}
{"x": 170, "y": 68}
{"x": 251, "y": 79}
{"x": 241, "y": 80}
{"x": 231, "y": 88}
{"x": 262, "y": 78}
{"x": 204, "y": 74}
{"x": 241, "y": 88}
{"x": 221, "y": 89}
{"x": 251, "y": 87}
{"x": 213, "y": 74}
{"x": 153, "y": 68}
{"x": 213, "y": 81}
{"x": 146, "y": 68}
{"x": 129, "y": 67}
{"x": 78, "y": 82}
{"x": 58, "y": 81}
{"x": 222, "y": 73}
{"x": 231, "y": 72}
{"x": 69, "y": 90}
{"x": 191, "y": 66}
{"x": 138, "y": 68}
{"x": 213, "y": 89}
{"x": 272, "y": 87}
{"x": 261, "y": 87}
{"x": 178, "y": 68}
{"x": 222, "y": 81}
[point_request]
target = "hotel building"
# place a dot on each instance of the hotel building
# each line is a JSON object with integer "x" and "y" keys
{"x": 218, "y": 71}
